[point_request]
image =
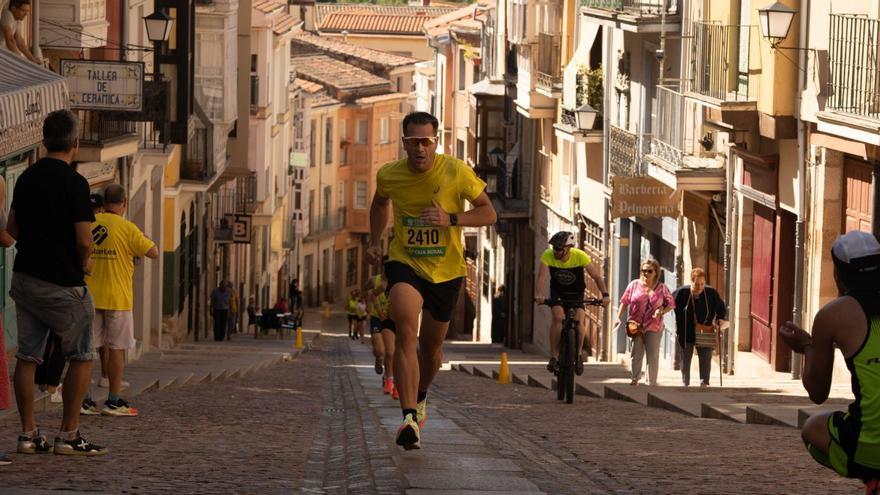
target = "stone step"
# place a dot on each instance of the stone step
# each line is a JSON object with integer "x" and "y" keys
{"x": 773, "y": 414}
{"x": 627, "y": 392}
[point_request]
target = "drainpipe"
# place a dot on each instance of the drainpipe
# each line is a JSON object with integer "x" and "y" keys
{"x": 123, "y": 29}
{"x": 797, "y": 307}
{"x": 35, "y": 30}
{"x": 609, "y": 224}
{"x": 730, "y": 261}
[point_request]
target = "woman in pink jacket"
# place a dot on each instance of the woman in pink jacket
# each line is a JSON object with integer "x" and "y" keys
{"x": 648, "y": 300}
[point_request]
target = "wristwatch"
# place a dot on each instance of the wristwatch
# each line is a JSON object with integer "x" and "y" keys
{"x": 453, "y": 219}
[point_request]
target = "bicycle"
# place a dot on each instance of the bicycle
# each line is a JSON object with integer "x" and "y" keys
{"x": 568, "y": 351}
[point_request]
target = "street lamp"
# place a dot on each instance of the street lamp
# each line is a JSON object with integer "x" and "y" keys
{"x": 775, "y": 22}
{"x": 158, "y": 26}
{"x": 586, "y": 117}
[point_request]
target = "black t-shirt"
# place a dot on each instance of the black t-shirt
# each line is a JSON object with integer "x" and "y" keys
{"x": 706, "y": 307}
{"x": 49, "y": 198}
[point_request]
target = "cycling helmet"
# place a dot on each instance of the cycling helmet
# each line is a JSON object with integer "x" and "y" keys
{"x": 856, "y": 257}
{"x": 562, "y": 239}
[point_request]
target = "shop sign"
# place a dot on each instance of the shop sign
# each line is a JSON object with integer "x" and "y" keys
{"x": 643, "y": 197}
{"x": 101, "y": 85}
{"x": 97, "y": 172}
{"x": 241, "y": 228}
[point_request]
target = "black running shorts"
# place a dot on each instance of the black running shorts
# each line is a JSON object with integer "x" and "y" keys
{"x": 439, "y": 299}
{"x": 377, "y": 325}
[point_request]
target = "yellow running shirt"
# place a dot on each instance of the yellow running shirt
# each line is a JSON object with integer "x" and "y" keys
{"x": 435, "y": 253}
{"x": 116, "y": 242}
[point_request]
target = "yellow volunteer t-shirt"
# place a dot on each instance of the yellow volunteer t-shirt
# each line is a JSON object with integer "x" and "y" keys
{"x": 115, "y": 242}
{"x": 435, "y": 253}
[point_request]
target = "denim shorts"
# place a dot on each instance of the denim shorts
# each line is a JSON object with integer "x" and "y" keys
{"x": 42, "y": 307}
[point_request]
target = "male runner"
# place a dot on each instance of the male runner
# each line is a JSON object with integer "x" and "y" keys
{"x": 382, "y": 332}
{"x": 847, "y": 442}
{"x": 426, "y": 192}
{"x": 568, "y": 268}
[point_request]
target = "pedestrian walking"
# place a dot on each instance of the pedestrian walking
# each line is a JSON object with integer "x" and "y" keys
{"x": 425, "y": 193}
{"x": 647, "y": 299}
{"x": 698, "y": 309}
{"x": 220, "y": 300}
{"x": 234, "y": 313}
{"x": 51, "y": 219}
{"x": 295, "y": 296}
{"x": 499, "y": 315}
{"x": 252, "y": 313}
{"x": 117, "y": 241}
{"x": 5, "y": 399}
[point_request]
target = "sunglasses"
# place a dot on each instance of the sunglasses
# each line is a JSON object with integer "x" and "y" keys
{"x": 424, "y": 141}
{"x": 648, "y": 271}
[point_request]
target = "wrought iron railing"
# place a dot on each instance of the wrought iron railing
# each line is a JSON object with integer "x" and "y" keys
{"x": 853, "y": 51}
{"x": 95, "y": 130}
{"x": 627, "y": 151}
{"x": 199, "y": 164}
{"x": 246, "y": 194}
{"x": 722, "y": 59}
{"x": 549, "y": 68}
{"x": 671, "y": 126}
{"x": 646, "y": 7}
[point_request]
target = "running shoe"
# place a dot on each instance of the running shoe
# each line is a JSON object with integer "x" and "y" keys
{"x": 551, "y": 365}
{"x": 422, "y": 412}
{"x": 5, "y": 460}
{"x": 409, "y": 435}
{"x": 378, "y": 366}
{"x": 579, "y": 367}
{"x": 394, "y": 394}
{"x": 78, "y": 446}
{"x": 118, "y": 408}
{"x": 33, "y": 445}
{"x": 387, "y": 385}
{"x": 89, "y": 408}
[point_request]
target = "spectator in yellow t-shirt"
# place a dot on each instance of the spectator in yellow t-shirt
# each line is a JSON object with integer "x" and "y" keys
{"x": 117, "y": 242}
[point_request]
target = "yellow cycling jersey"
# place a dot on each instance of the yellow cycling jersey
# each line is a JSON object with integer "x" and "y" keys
{"x": 435, "y": 253}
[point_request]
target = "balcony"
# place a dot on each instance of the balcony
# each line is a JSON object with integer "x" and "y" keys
{"x": 199, "y": 164}
{"x": 854, "y": 82}
{"x": 103, "y": 139}
{"x": 679, "y": 157}
{"x": 73, "y": 23}
{"x": 627, "y": 151}
{"x": 521, "y": 32}
{"x": 639, "y": 15}
{"x": 549, "y": 65}
{"x": 508, "y": 194}
{"x": 340, "y": 217}
{"x": 725, "y": 64}
{"x": 246, "y": 194}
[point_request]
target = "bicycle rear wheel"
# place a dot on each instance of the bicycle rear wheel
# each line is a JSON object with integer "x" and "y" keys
{"x": 573, "y": 354}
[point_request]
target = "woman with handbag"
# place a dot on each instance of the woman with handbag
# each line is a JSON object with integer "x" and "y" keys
{"x": 698, "y": 308}
{"x": 648, "y": 300}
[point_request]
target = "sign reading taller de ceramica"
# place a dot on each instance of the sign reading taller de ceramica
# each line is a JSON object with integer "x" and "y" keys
{"x": 643, "y": 197}
{"x": 101, "y": 85}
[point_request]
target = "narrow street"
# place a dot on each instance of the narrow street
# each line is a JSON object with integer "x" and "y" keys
{"x": 320, "y": 424}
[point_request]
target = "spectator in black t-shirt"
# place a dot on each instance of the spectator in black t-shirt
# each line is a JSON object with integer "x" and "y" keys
{"x": 51, "y": 220}
{"x": 295, "y": 296}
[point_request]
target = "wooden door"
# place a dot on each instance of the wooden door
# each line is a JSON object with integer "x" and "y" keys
{"x": 858, "y": 201}
{"x": 762, "y": 281}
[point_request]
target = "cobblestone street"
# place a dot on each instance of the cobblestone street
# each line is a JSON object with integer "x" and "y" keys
{"x": 320, "y": 424}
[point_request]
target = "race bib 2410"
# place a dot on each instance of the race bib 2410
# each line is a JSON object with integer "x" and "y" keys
{"x": 423, "y": 240}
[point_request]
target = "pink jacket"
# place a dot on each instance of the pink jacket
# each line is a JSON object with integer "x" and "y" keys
{"x": 642, "y": 305}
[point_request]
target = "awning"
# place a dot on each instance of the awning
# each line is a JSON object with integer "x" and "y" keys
{"x": 28, "y": 93}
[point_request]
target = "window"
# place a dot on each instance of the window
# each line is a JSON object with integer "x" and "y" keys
{"x": 362, "y": 129}
{"x": 343, "y": 148}
{"x": 297, "y": 201}
{"x": 459, "y": 150}
{"x": 351, "y": 267}
{"x": 312, "y": 225}
{"x": 384, "y": 130}
{"x": 461, "y": 70}
{"x": 313, "y": 131}
{"x": 341, "y": 189}
{"x": 328, "y": 141}
{"x": 325, "y": 208}
{"x": 360, "y": 195}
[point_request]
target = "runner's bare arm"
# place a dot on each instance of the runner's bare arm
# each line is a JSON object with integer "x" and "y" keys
{"x": 818, "y": 351}
{"x": 482, "y": 214}
{"x": 379, "y": 210}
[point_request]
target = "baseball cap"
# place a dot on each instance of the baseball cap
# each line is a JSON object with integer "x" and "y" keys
{"x": 857, "y": 258}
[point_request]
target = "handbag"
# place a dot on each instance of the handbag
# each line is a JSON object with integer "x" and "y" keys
{"x": 633, "y": 329}
{"x": 705, "y": 334}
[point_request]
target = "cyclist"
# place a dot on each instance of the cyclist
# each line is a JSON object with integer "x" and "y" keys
{"x": 567, "y": 268}
{"x": 351, "y": 310}
{"x": 382, "y": 332}
{"x": 425, "y": 192}
{"x": 847, "y": 442}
